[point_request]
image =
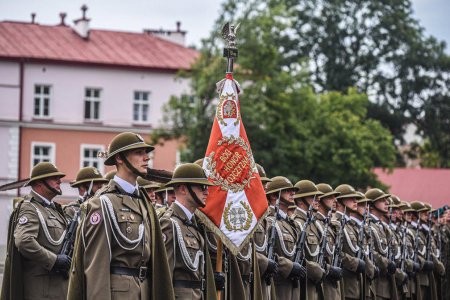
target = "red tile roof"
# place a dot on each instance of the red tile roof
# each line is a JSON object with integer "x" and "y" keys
{"x": 427, "y": 185}
{"x": 35, "y": 42}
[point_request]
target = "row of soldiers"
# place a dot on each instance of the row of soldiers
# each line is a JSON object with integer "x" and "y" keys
{"x": 137, "y": 239}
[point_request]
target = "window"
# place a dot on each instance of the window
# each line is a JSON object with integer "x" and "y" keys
{"x": 92, "y": 104}
{"x": 140, "y": 107}
{"x": 42, "y": 95}
{"x": 42, "y": 152}
{"x": 89, "y": 156}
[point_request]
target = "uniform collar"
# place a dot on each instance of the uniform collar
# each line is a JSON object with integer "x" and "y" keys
{"x": 125, "y": 185}
{"x": 414, "y": 224}
{"x": 375, "y": 218}
{"x": 185, "y": 210}
{"x": 356, "y": 220}
{"x": 282, "y": 214}
{"x": 301, "y": 211}
{"x": 46, "y": 201}
{"x": 424, "y": 226}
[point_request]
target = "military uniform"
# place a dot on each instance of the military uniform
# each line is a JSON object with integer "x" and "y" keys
{"x": 284, "y": 246}
{"x": 120, "y": 238}
{"x": 36, "y": 235}
{"x": 186, "y": 244}
{"x": 385, "y": 283}
{"x": 353, "y": 267}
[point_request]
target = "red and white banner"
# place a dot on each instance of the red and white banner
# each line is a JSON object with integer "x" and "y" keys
{"x": 237, "y": 201}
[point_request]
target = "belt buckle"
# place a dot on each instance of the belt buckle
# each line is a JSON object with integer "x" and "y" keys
{"x": 203, "y": 284}
{"x": 142, "y": 273}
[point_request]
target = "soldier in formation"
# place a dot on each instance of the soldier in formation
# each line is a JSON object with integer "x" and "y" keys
{"x": 132, "y": 242}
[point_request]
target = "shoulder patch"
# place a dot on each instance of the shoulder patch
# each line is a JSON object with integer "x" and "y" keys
{"x": 95, "y": 218}
{"x": 23, "y": 220}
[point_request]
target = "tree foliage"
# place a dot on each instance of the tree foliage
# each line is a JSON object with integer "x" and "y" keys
{"x": 294, "y": 131}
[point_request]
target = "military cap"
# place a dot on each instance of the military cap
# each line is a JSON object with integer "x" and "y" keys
{"x": 88, "y": 174}
{"x": 327, "y": 190}
{"x": 394, "y": 201}
{"x": 123, "y": 142}
{"x": 428, "y": 206}
{"x": 189, "y": 173}
{"x": 147, "y": 184}
{"x": 363, "y": 198}
{"x": 306, "y": 188}
{"x": 376, "y": 194}
{"x": 44, "y": 170}
{"x": 262, "y": 174}
{"x": 110, "y": 175}
{"x": 164, "y": 188}
{"x": 199, "y": 162}
{"x": 406, "y": 207}
{"x": 418, "y": 206}
{"x": 279, "y": 183}
{"x": 347, "y": 191}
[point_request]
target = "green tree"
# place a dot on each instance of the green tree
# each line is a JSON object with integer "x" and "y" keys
{"x": 293, "y": 131}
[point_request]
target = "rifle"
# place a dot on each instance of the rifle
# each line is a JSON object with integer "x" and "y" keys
{"x": 403, "y": 257}
{"x": 69, "y": 239}
{"x": 371, "y": 247}
{"x": 429, "y": 237}
{"x": 390, "y": 254}
{"x": 300, "y": 247}
{"x": 340, "y": 242}
{"x": 324, "y": 240}
{"x": 270, "y": 254}
{"x": 416, "y": 243}
{"x": 361, "y": 234}
{"x": 439, "y": 237}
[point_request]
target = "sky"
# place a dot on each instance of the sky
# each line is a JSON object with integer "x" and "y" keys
{"x": 196, "y": 16}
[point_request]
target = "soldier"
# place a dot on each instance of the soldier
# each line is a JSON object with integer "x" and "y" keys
{"x": 88, "y": 182}
{"x": 413, "y": 266}
{"x": 331, "y": 283}
{"x": 150, "y": 187}
{"x": 365, "y": 242}
{"x": 286, "y": 280}
{"x": 185, "y": 243}
{"x": 165, "y": 196}
{"x": 34, "y": 267}
{"x": 267, "y": 267}
{"x": 120, "y": 252}
{"x": 353, "y": 267}
{"x": 397, "y": 231}
{"x": 385, "y": 285}
{"x": 305, "y": 198}
{"x": 424, "y": 251}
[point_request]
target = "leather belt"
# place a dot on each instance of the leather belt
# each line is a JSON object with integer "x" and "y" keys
{"x": 190, "y": 284}
{"x": 140, "y": 273}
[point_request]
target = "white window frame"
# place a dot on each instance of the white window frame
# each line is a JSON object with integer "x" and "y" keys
{"x": 42, "y": 144}
{"x": 141, "y": 103}
{"x": 41, "y": 104}
{"x": 92, "y": 99}
{"x": 101, "y": 148}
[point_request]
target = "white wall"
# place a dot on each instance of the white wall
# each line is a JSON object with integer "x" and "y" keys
{"x": 9, "y": 90}
{"x": 69, "y": 83}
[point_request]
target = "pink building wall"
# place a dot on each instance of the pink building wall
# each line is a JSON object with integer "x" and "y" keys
{"x": 68, "y": 144}
{"x": 117, "y": 85}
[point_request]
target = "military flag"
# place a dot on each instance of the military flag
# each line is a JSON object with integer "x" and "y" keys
{"x": 237, "y": 201}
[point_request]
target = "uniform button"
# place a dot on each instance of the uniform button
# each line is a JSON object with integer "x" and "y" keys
{"x": 123, "y": 217}
{"x": 132, "y": 217}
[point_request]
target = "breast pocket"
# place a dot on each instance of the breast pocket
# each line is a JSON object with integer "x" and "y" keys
{"x": 289, "y": 241}
{"x": 129, "y": 224}
{"x": 55, "y": 228}
{"x": 192, "y": 245}
{"x": 313, "y": 242}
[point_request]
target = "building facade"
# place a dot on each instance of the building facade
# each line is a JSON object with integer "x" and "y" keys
{"x": 65, "y": 92}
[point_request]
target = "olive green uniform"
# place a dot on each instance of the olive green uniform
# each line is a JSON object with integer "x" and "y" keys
{"x": 187, "y": 255}
{"x": 38, "y": 237}
{"x": 119, "y": 252}
{"x": 285, "y": 241}
{"x": 314, "y": 272}
{"x": 331, "y": 289}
